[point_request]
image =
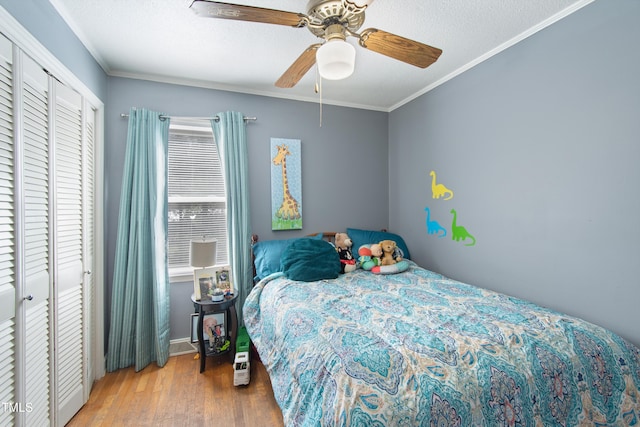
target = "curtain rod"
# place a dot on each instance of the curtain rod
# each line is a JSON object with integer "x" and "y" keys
{"x": 216, "y": 118}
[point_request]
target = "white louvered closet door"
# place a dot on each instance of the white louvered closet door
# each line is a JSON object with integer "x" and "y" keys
{"x": 47, "y": 294}
{"x": 7, "y": 235}
{"x": 69, "y": 313}
{"x": 88, "y": 198}
{"x": 36, "y": 242}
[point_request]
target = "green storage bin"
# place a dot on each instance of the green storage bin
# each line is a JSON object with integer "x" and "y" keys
{"x": 242, "y": 341}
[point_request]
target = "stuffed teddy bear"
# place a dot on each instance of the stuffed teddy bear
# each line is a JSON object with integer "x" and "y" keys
{"x": 343, "y": 246}
{"x": 389, "y": 254}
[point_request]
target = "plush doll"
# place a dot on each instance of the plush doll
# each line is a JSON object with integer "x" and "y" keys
{"x": 389, "y": 253}
{"x": 376, "y": 253}
{"x": 369, "y": 256}
{"x": 343, "y": 246}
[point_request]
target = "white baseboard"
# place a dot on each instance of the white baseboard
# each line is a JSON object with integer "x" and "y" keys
{"x": 182, "y": 346}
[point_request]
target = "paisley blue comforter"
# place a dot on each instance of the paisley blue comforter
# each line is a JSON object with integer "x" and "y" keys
{"x": 419, "y": 349}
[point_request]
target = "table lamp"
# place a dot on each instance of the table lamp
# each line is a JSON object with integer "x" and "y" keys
{"x": 202, "y": 254}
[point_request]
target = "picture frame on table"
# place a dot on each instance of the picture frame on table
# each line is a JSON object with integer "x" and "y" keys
{"x": 223, "y": 279}
{"x": 214, "y": 331}
{"x": 204, "y": 281}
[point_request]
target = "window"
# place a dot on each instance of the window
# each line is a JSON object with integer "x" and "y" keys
{"x": 197, "y": 200}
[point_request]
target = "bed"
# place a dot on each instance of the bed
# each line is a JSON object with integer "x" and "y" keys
{"x": 417, "y": 348}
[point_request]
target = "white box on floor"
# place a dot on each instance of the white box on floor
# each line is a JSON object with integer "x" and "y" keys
{"x": 241, "y": 369}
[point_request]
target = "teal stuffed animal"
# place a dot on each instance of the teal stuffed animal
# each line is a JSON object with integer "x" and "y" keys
{"x": 369, "y": 256}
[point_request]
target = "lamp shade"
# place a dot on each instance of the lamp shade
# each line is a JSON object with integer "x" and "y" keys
{"x": 203, "y": 253}
{"x": 362, "y": 3}
{"x": 336, "y": 59}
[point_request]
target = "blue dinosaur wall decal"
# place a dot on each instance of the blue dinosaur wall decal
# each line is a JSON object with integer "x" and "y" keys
{"x": 433, "y": 227}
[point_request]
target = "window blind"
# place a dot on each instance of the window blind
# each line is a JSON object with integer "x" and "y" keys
{"x": 197, "y": 201}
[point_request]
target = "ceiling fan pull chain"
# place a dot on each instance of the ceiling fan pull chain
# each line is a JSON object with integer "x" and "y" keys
{"x": 318, "y": 90}
{"x": 320, "y": 101}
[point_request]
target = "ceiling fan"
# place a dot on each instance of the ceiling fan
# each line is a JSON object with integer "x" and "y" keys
{"x": 333, "y": 21}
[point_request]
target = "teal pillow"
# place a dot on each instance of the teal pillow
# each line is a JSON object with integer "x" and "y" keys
{"x": 363, "y": 237}
{"x": 267, "y": 255}
{"x": 309, "y": 260}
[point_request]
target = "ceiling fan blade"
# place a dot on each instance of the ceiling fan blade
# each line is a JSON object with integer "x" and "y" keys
{"x": 299, "y": 68}
{"x": 216, "y": 9}
{"x": 400, "y": 48}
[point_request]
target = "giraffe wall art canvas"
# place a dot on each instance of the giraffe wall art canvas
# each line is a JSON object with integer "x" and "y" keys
{"x": 286, "y": 184}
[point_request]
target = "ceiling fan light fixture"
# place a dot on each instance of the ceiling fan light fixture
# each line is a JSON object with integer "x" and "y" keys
{"x": 361, "y": 3}
{"x": 336, "y": 59}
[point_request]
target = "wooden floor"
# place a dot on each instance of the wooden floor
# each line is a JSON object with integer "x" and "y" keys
{"x": 178, "y": 395}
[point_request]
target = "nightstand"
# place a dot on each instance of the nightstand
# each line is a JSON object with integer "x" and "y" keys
{"x": 226, "y": 306}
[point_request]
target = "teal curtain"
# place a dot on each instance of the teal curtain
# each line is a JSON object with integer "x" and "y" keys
{"x": 230, "y": 134}
{"x": 139, "y": 328}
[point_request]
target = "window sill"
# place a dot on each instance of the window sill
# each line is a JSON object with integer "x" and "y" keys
{"x": 180, "y": 275}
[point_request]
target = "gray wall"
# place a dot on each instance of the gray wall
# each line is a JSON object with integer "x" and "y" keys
{"x": 41, "y": 19}
{"x": 344, "y": 162}
{"x": 541, "y": 146}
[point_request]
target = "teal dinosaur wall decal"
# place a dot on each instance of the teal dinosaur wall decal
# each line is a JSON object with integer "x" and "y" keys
{"x": 433, "y": 227}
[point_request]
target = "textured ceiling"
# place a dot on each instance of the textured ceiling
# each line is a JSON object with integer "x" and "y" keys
{"x": 164, "y": 40}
